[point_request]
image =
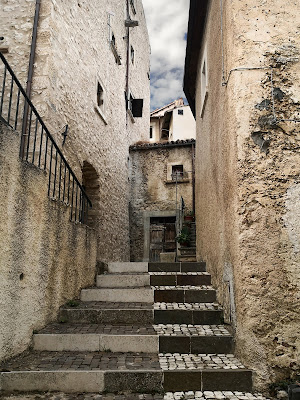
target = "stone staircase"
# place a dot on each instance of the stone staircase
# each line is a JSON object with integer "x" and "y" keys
{"x": 145, "y": 332}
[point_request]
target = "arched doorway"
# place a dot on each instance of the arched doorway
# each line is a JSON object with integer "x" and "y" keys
{"x": 90, "y": 181}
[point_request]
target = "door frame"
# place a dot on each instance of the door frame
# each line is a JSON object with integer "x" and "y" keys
{"x": 146, "y": 216}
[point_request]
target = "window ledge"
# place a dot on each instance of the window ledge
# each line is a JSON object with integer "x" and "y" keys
{"x": 115, "y": 53}
{"x": 179, "y": 181}
{"x": 204, "y": 104}
{"x": 100, "y": 112}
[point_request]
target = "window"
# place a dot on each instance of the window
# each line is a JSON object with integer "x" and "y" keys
{"x": 180, "y": 112}
{"x": 203, "y": 82}
{"x": 100, "y": 96}
{"x": 100, "y": 104}
{"x": 151, "y": 132}
{"x": 132, "y": 54}
{"x": 177, "y": 172}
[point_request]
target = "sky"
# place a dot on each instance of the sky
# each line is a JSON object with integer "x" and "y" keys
{"x": 167, "y": 22}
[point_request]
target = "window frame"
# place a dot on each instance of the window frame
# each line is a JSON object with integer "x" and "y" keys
{"x": 101, "y": 109}
{"x": 203, "y": 72}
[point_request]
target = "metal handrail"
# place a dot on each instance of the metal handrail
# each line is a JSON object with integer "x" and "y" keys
{"x": 32, "y": 143}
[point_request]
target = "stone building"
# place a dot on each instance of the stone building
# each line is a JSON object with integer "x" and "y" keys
{"x": 85, "y": 68}
{"x": 242, "y": 83}
{"x": 172, "y": 122}
{"x": 161, "y": 176}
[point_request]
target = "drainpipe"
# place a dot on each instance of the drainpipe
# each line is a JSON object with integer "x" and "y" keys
{"x": 30, "y": 72}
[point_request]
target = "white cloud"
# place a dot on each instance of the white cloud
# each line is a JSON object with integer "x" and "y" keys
{"x": 167, "y": 24}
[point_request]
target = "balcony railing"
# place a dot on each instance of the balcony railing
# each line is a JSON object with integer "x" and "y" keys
{"x": 38, "y": 146}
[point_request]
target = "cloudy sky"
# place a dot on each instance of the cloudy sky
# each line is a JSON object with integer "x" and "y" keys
{"x": 167, "y": 22}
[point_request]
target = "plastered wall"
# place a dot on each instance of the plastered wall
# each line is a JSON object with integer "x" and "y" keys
{"x": 73, "y": 53}
{"x": 152, "y": 188}
{"x": 247, "y": 180}
{"x": 45, "y": 259}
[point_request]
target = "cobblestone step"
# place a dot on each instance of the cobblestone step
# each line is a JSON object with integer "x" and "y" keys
{"x": 83, "y": 372}
{"x": 184, "y": 294}
{"x": 133, "y": 338}
{"x": 104, "y": 371}
{"x": 177, "y": 267}
{"x": 128, "y": 295}
{"x": 112, "y": 313}
{"x": 190, "y": 395}
{"x": 179, "y": 278}
{"x": 188, "y": 313}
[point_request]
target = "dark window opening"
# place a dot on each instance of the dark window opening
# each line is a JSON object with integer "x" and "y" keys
{"x": 151, "y": 132}
{"x": 90, "y": 183}
{"x": 180, "y": 112}
{"x": 177, "y": 172}
{"x": 132, "y": 54}
{"x": 100, "y": 96}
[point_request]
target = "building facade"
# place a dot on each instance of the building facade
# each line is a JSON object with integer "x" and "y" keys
{"x": 242, "y": 82}
{"x": 85, "y": 68}
{"x": 172, "y": 122}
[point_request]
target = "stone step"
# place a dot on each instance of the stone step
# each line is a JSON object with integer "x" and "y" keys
{"x": 126, "y": 372}
{"x": 113, "y": 313}
{"x": 179, "y": 278}
{"x": 129, "y": 267}
{"x": 183, "y": 372}
{"x": 208, "y": 395}
{"x": 190, "y": 395}
{"x": 128, "y": 295}
{"x": 184, "y": 294}
{"x": 188, "y": 313}
{"x": 123, "y": 280}
{"x": 187, "y": 258}
{"x": 134, "y": 338}
{"x": 177, "y": 267}
{"x": 83, "y": 372}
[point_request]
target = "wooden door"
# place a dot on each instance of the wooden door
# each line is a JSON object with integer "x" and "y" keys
{"x": 162, "y": 239}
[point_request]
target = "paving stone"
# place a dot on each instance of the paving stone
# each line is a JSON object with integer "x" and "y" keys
{"x": 171, "y": 361}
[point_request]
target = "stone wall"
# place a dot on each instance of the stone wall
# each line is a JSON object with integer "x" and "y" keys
{"x": 247, "y": 179}
{"x": 73, "y": 54}
{"x": 153, "y": 191}
{"x": 45, "y": 259}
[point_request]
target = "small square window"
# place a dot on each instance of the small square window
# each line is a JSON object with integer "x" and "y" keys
{"x": 100, "y": 104}
{"x": 177, "y": 172}
{"x": 180, "y": 112}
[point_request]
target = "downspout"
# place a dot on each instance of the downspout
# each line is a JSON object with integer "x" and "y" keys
{"x": 127, "y": 63}
{"x": 30, "y": 72}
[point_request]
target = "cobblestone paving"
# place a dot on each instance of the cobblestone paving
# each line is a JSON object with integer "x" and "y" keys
{"x": 170, "y": 361}
{"x": 178, "y": 273}
{"x": 185, "y": 287}
{"x": 70, "y": 361}
{"x": 100, "y": 329}
{"x": 187, "y": 306}
{"x": 213, "y": 395}
{"x": 111, "y": 306}
{"x": 191, "y": 330}
{"x": 226, "y": 395}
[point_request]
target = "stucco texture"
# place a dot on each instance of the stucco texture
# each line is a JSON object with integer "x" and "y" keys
{"x": 247, "y": 180}
{"x": 45, "y": 259}
{"x": 153, "y": 190}
{"x": 73, "y": 53}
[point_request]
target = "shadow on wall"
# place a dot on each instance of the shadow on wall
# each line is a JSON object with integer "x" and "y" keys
{"x": 90, "y": 181}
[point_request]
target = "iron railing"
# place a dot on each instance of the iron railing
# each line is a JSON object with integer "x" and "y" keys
{"x": 38, "y": 146}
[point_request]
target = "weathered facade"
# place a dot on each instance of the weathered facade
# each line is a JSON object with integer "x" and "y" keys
{"x": 157, "y": 187}
{"x": 91, "y": 63}
{"x": 86, "y": 62}
{"x": 242, "y": 82}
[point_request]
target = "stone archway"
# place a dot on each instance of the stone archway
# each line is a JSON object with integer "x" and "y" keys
{"x": 90, "y": 181}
